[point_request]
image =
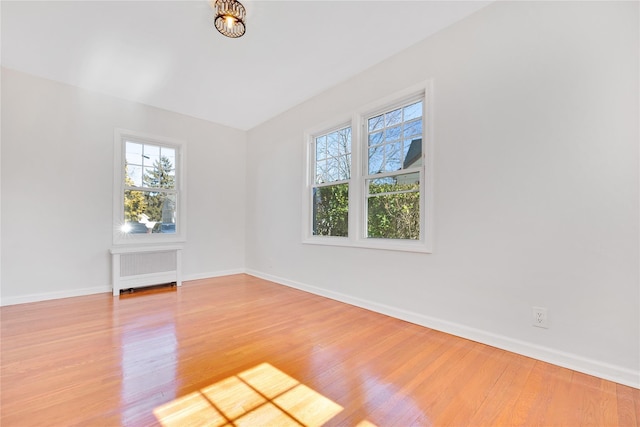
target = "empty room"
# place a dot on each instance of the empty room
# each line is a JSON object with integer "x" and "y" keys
{"x": 314, "y": 212}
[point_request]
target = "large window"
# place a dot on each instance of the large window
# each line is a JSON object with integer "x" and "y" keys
{"x": 394, "y": 163}
{"x": 148, "y": 201}
{"x": 369, "y": 181}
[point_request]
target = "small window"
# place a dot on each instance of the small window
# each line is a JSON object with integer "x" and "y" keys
{"x": 148, "y": 200}
{"x": 330, "y": 189}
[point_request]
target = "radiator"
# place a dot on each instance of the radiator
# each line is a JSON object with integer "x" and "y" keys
{"x": 134, "y": 267}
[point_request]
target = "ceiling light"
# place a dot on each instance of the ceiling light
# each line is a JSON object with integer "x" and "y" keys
{"x": 230, "y": 16}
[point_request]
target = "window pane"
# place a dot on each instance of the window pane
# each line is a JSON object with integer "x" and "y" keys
{"x": 333, "y": 144}
{"x": 133, "y": 153}
{"x": 413, "y": 128}
{"x": 344, "y": 164}
{"x": 148, "y": 179}
{"x": 149, "y": 212}
{"x": 393, "y": 133}
{"x": 321, "y": 148}
{"x": 394, "y": 216}
{"x": 376, "y": 123}
{"x": 412, "y": 153}
{"x": 344, "y": 136}
{"x": 169, "y": 154}
{"x": 321, "y": 172}
{"x": 150, "y": 154}
{"x": 393, "y": 207}
{"x": 394, "y": 117}
{"x": 333, "y": 156}
{"x": 375, "y": 138}
{"x": 160, "y": 175}
{"x": 134, "y": 205}
{"x": 333, "y": 170}
{"x": 405, "y": 151}
{"x": 133, "y": 176}
{"x": 400, "y": 140}
{"x": 331, "y": 210}
{"x": 160, "y": 212}
{"x": 393, "y": 157}
{"x": 376, "y": 159}
{"x": 413, "y": 111}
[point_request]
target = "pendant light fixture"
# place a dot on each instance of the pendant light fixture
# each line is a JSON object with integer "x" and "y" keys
{"x": 230, "y": 17}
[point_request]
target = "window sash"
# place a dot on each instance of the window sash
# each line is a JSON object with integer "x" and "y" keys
{"x": 381, "y": 126}
{"x": 336, "y": 155}
{"x": 151, "y": 189}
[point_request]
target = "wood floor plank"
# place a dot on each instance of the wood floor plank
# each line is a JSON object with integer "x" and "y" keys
{"x": 597, "y": 403}
{"x": 545, "y": 387}
{"x": 501, "y": 404}
{"x": 238, "y": 350}
{"x": 475, "y": 391}
{"x": 628, "y": 407}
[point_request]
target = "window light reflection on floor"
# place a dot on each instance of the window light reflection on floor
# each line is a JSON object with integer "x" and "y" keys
{"x": 262, "y": 395}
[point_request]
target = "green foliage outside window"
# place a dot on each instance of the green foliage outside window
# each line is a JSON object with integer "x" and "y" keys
{"x": 134, "y": 203}
{"x": 159, "y": 177}
{"x": 393, "y": 215}
{"x": 393, "y": 211}
{"x": 331, "y": 210}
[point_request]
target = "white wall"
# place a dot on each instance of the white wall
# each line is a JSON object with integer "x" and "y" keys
{"x": 57, "y": 178}
{"x": 536, "y": 183}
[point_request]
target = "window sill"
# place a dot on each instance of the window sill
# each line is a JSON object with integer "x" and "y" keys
{"x": 384, "y": 244}
{"x": 126, "y": 249}
{"x": 142, "y": 240}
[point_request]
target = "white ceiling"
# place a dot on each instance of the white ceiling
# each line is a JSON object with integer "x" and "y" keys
{"x": 168, "y": 54}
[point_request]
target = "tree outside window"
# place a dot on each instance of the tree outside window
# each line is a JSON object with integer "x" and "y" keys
{"x": 149, "y": 188}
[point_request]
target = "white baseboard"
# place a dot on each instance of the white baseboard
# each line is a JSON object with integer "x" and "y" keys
{"x": 215, "y": 274}
{"x": 44, "y": 296}
{"x": 575, "y": 362}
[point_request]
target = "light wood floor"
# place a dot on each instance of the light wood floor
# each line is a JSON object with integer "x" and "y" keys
{"x": 243, "y": 351}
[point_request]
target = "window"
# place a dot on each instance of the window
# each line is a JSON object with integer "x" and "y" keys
{"x": 148, "y": 201}
{"x": 331, "y": 183}
{"x": 369, "y": 181}
{"x": 394, "y": 160}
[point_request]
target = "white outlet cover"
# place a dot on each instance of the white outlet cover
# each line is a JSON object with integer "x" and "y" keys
{"x": 540, "y": 317}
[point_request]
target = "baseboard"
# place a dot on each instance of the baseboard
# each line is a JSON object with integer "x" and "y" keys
{"x": 44, "y": 296}
{"x": 575, "y": 362}
{"x": 23, "y": 299}
{"x": 200, "y": 276}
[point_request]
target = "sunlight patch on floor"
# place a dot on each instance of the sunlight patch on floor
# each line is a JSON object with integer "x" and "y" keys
{"x": 192, "y": 409}
{"x": 262, "y": 395}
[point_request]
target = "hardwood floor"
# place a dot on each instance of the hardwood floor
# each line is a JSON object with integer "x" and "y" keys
{"x": 242, "y": 351}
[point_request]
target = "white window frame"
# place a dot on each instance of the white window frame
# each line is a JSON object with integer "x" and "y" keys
{"x": 357, "y": 236}
{"x": 119, "y": 237}
{"x": 311, "y": 182}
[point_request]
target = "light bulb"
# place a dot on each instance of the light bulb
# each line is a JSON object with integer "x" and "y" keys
{"x": 230, "y": 21}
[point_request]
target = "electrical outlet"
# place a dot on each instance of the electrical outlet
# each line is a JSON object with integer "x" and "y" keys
{"x": 540, "y": 317}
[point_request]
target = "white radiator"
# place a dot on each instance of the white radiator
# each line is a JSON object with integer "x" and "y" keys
{"x": 134, "y": 267}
